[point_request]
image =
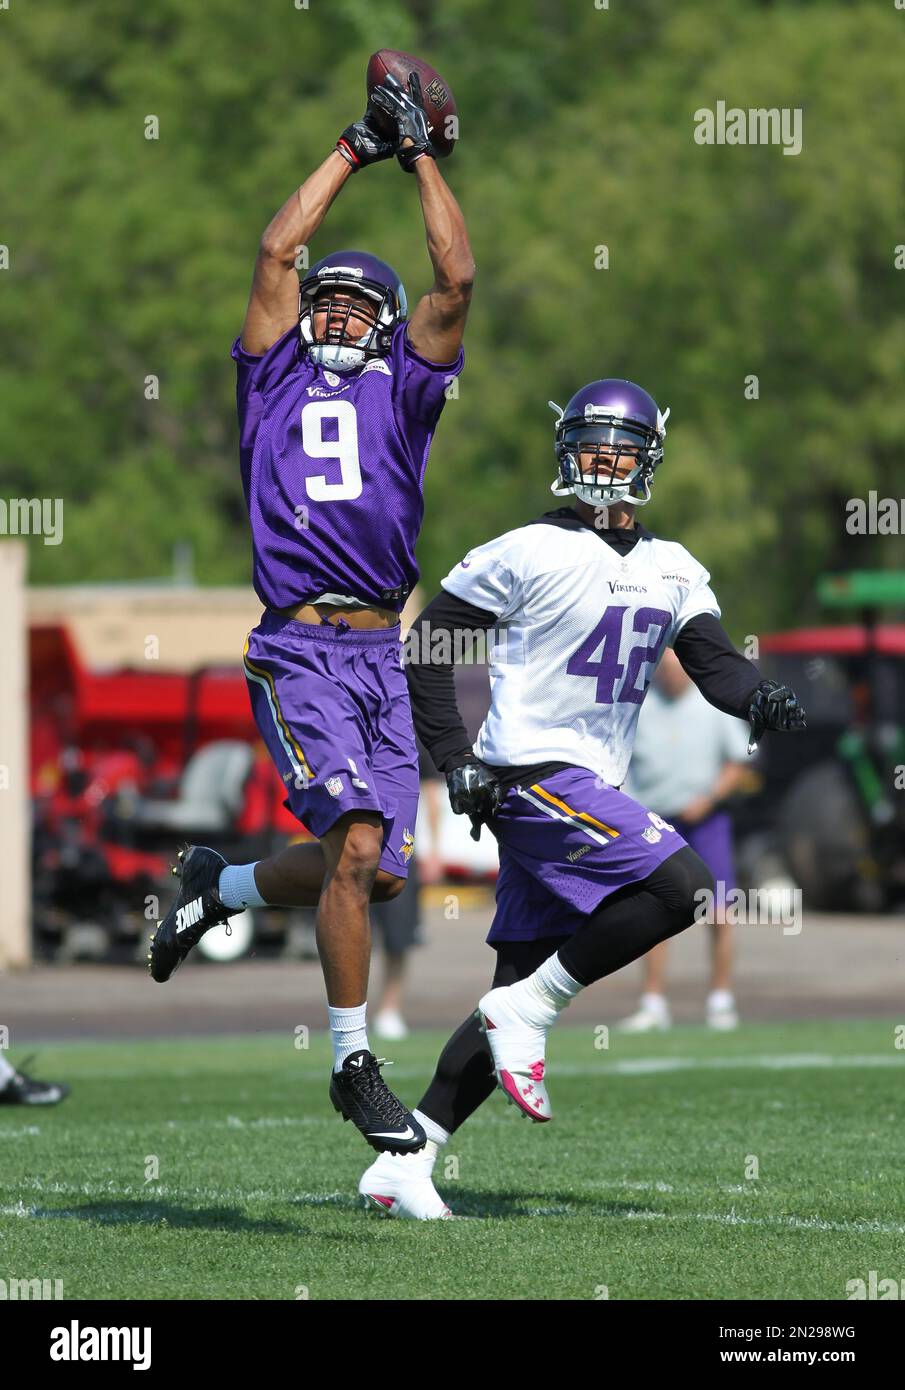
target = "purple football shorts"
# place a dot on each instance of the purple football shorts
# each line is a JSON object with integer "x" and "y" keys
{"x": 712, "y": 840}
{"x": 566, "y": 843}
{"x": 332, "y": 705}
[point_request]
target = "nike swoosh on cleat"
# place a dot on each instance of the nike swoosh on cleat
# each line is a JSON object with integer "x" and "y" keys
{"x": 394, "y": 1134}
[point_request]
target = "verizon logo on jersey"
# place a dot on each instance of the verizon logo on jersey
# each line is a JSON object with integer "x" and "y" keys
{"x": 679, "y": 578}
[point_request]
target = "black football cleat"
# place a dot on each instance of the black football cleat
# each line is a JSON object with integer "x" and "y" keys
{"x": 361, "y": 1095}
{"x": 197, "y": 908}
{"x": 24, "y": 1090}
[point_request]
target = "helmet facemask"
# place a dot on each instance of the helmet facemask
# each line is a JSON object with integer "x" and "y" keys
{"x": 612, "y": 441}
{"x": 335, "y": 351}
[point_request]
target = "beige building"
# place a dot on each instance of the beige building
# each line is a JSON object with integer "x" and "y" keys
{"x": 178, "y": 628}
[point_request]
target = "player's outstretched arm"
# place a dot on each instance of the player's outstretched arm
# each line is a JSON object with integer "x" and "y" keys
{"x": 733, "y": 683}
{"x": 724, "y": 677}
{"x": 473, "y": 788}
{"x": 437, "y": 325}
{"x": 273, "y": 306}
{"x": 445, "y": 626}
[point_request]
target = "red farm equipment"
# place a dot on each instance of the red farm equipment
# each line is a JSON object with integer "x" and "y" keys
{"x": 124, "y": 765}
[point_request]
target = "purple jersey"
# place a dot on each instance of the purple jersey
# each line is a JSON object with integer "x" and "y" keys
{"x": 333, "y": 467}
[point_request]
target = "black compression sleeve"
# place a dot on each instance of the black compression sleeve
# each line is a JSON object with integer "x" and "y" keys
{"x": 437, "y": 636}
{"x": 724, "y": 677}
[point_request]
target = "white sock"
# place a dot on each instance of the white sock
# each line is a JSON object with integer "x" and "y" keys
{"x": 436, "y": 1134}
{"x": 417, "y": 1165}
{"x": 7, "y": 1072}
{"x": 348, "y": 1031}
{"x": 542, "y": 996}
{"x": 237, "y": 887}
{"x": 721, "y": 999}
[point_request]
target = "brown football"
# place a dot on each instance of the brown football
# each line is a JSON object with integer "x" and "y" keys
{"x": 437, "y": 99}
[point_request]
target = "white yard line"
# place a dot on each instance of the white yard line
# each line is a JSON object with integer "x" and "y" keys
{"x": 642, "y": 1066}
{"x": 154, "y": 1193}
{"x": 635, "y": 1066}
{"x": 787, "y": 1222}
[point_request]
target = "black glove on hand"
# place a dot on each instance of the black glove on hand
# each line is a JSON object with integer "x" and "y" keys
{"x": 362, "y": 143}
{"x": 773, "y": 707}
{"x": 473, "y": 791}
{"x": 406, "y": 110}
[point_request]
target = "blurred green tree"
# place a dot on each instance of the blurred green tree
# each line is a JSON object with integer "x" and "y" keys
{"x": 754, "y": 292}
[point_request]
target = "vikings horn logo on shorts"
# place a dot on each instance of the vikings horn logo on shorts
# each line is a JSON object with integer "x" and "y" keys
{"x": 408, "y": 845}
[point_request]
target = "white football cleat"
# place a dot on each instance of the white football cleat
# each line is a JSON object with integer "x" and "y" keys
{"x": 402, "y": 1185}
{"x": 652, "y": 1016}
{"x": 390, "y": 1026}
{"x": 518, "y": 1049}
{"x": 722, "y": 1016}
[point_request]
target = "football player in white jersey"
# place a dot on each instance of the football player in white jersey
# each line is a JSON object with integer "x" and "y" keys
{"x": 580, "y": 605}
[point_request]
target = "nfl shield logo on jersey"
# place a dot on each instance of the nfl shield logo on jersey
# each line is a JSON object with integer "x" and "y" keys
{"x": 334, "y": 786}
{"x": 651, "y": 835}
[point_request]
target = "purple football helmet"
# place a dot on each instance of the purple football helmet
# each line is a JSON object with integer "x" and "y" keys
{"x": 367, "y": 275}
{"x": 613, "y": 420}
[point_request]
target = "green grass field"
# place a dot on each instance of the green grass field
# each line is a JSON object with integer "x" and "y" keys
{"x": 640, "y": 1184}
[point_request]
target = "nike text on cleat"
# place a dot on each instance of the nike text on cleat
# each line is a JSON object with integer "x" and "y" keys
{"x": 188, "y": 916}
{"x": 518, "y": 1049}
{"x": 197, "y": 908}
{"x": 360, "y": 1094}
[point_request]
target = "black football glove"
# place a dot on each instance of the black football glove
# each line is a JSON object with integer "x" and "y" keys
{"x": 473, "y": 791}
{"x": 363, "y": 143}
{"x": 405, "y": 109}
{"x": 773, "y": 707}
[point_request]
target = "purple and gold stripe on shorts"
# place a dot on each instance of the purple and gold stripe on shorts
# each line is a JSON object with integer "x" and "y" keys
{"x": 292, "y": 748}
{"x": 558, "y": 809}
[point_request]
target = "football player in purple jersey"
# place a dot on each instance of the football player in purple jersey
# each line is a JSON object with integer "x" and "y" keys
{"x": 339, "y": 394}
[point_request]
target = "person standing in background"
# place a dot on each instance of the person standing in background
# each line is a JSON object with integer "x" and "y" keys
{"x": 688, "y": 759}
{"x": 395, "y": 924}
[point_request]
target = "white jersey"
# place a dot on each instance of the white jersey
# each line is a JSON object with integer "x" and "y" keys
{"x": 581, "y": 631}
